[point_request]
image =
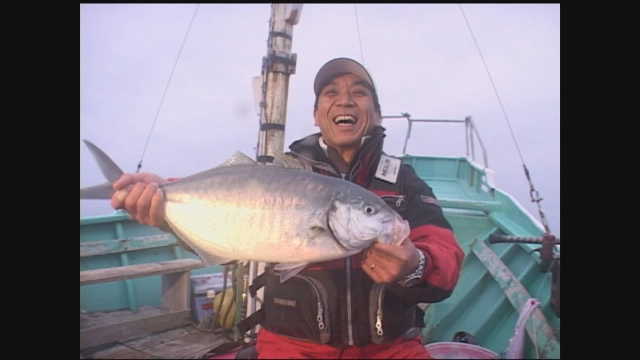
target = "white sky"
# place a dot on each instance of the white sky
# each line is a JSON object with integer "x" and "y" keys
{"x": 422, "y": 57}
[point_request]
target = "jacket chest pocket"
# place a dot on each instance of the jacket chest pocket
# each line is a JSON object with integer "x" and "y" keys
{"x": 397, "y": 203}
{"x": 297, "y": 308}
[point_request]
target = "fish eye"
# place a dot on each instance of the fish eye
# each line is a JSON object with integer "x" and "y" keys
{"x": 369, "y": 209}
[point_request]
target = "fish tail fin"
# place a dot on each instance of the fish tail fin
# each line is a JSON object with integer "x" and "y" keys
{"x": 102, "y": 191}
{"x": 110, "y": 170}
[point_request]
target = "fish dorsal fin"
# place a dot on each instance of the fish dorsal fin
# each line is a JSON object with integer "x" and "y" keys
{"x": 283, "y": 160}
{"x": 239, "y": 158}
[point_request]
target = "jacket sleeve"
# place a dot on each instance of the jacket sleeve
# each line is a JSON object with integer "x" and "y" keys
{"x": 432, "y": 234}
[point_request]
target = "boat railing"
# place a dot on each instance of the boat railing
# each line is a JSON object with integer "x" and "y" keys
{"x": 470, "y": 131}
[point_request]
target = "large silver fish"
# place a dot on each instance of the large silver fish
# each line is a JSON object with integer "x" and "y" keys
{"x": 281, "y": 213}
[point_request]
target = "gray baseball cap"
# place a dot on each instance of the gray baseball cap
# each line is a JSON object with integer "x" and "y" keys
{"x": 341, "y": 66}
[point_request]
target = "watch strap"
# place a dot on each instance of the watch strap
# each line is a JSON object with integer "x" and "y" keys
{"x": 415, "y": 276}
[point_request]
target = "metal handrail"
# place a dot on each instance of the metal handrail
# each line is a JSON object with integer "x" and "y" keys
{"x": 470, "y": 130}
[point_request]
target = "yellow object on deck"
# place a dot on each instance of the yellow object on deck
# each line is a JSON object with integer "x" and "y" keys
{"x": 227, "y": 299}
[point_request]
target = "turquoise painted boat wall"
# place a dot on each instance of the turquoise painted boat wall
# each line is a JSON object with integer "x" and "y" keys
{"x": 118, "y": 230}
{"x": 483, "y": 304}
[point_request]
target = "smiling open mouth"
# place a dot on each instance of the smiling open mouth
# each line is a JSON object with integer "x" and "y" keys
{"x": 344, "y": 120}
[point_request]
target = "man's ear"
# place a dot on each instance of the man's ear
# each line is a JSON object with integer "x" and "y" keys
{"x": 315, "y": 120}
{"x": 379, "y": 118}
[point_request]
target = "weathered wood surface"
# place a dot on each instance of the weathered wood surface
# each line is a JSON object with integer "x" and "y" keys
{"x": 175, "y": 291}
{"x": 97, "y": 319}
{"x": 175, "y": 301}
{"x": 105, "y": 247}
{"x": 132, "y": 328}
{"x": 537, "y": 326}
{"x": 88, "y": 277}
{"x": 186, "y": 342}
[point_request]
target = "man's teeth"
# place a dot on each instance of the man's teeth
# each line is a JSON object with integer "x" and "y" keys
{"x": 344, "y": 120}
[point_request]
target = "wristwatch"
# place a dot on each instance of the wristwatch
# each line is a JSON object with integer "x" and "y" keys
{"x": 414, "y": 277}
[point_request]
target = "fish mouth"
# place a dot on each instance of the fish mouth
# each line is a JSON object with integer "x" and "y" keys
{"x": 345, "y": 120}
{"x": 397, "y": 230}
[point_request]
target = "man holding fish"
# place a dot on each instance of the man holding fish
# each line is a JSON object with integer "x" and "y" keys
{"x": 365, "y": 304}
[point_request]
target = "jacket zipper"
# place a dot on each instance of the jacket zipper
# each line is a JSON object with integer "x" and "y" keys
{"x": 398, "y": 198}
{"x": 349, "y": 176}
{"x": 321, "y": 317}
{"x": 349, "y": 315}
{"x": 352, "y": 172}
{"x": 377, "y": 333}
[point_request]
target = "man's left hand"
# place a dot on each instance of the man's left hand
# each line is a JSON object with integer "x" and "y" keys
{"x": 386, "y": 263}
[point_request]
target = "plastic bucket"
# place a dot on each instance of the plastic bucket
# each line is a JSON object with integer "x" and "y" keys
{"x": 459, "y": 350}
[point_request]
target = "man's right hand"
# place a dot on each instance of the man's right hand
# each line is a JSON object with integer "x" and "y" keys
{"x": 139, "y": 195}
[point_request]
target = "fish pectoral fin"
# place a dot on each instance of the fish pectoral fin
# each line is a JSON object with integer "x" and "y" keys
{"x": 213, "y": 260}
{"x": 287, "y": 270}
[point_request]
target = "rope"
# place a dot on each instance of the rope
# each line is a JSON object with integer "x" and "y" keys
{"x": 492, "y": 83}
{"x": 533, "y": 193}
{"x": 166, "y": 88}
{"x": 359, "y": 38}
{"x": 535, "y": 336}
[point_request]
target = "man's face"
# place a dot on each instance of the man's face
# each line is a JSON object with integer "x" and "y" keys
{"x": 346, "y": 112}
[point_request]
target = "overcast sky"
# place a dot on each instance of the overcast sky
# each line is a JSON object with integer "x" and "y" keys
{"x": 422, "y": 57}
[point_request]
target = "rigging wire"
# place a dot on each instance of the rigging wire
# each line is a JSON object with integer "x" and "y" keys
{"x": 166, "y": 88}
{"x": 492, "y": 83}
{"x": 533, "y": 193}
{"x": 359, "y": 38}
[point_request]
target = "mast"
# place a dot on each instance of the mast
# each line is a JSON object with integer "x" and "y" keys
{"x": 271, "y": 90}
{"x": 273, "y": 86}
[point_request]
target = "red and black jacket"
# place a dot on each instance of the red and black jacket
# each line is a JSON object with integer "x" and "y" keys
{"x": 335, "y": 302}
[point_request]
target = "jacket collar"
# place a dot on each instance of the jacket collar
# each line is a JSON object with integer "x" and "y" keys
{"x": 310, "y": 150}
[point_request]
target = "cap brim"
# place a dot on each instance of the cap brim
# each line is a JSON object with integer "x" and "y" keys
{"x": 340, "y": 66}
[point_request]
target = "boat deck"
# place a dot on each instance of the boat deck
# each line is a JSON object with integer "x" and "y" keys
{"x": 186, "y": 342}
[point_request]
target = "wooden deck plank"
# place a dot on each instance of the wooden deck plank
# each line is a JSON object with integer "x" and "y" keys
{"x": 137, "y": 355}
{"x": 158, "y": 338}
{"x": 104, "y": 247}
{"x": 133, "y": 328}
{"x": 96, "y": 276}
{"x": 117, "y": 351}
{"x": 92, "y": 320}
{"x": 207, "y": 340}
{"x": 111, "y": 352}
{"x": 187, "y": 347}
{"x": 175, "y": 291}
{"x": 186, "y": 342}
{"x": 200, "y": 353}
